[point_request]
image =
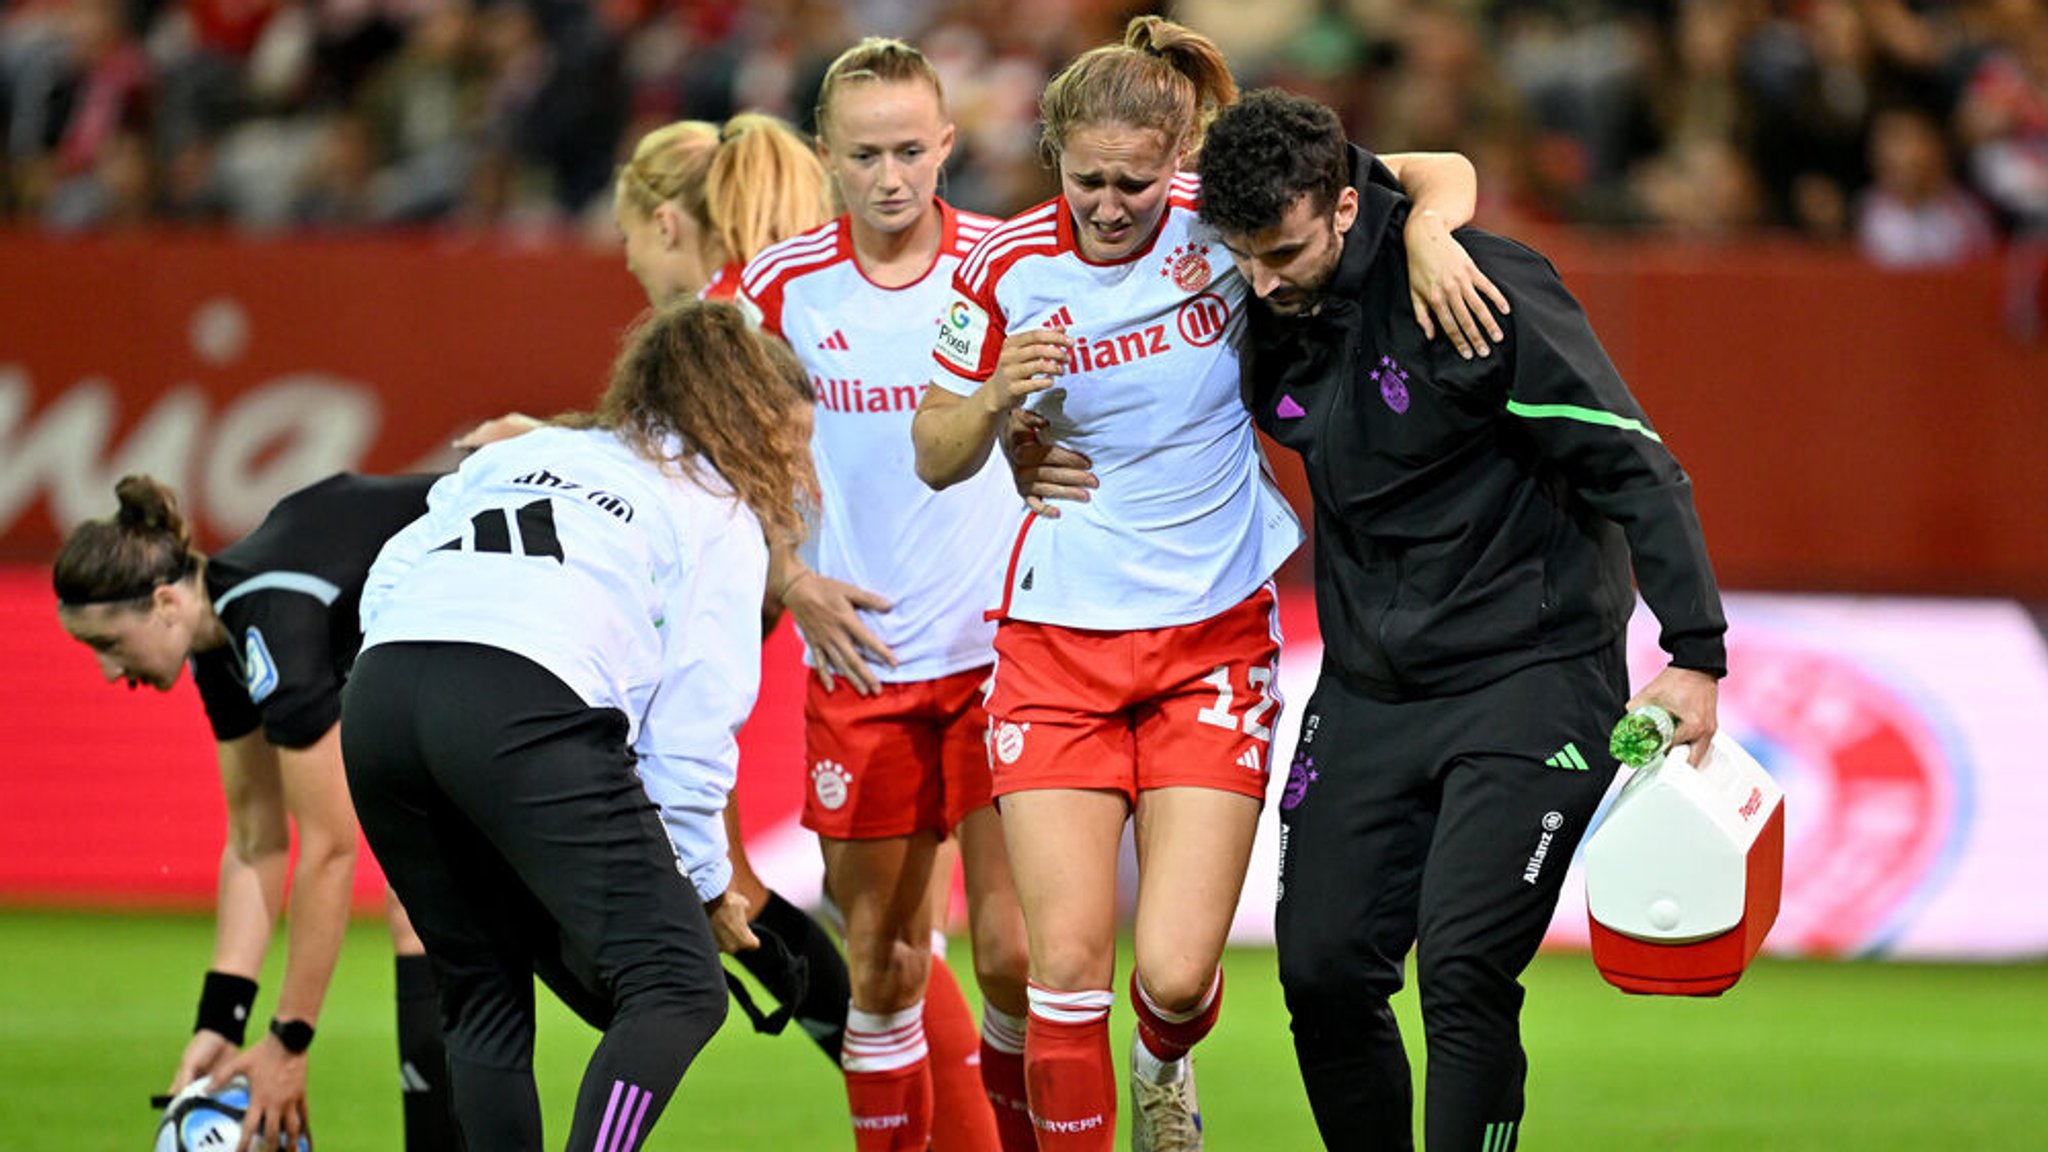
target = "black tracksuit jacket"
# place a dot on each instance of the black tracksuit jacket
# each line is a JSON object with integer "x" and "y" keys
{"x": 1473, "y": 517}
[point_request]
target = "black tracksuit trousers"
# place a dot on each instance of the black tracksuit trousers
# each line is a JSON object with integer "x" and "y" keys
{"x": 507, "y": 815}
{"x": 1443, "y": 824}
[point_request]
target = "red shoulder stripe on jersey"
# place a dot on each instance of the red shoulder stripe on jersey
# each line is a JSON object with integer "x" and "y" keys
{"x": 768, "y": 274}
{"x": 799, "y": 253}
{"x": 968, "y": 229}
{"x": 1035, "y": 230}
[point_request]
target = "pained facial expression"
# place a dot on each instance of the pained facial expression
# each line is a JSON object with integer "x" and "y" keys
{"x": 664, "y": 251}
{"x": 1116, "y": 178}
{"x": 885, "y": 144}
{"x": 1289, "y": 264}
{"x": 139, "y": 644}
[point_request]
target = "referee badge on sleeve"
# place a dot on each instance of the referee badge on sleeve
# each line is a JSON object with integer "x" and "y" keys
{"x": 259, "y": 671}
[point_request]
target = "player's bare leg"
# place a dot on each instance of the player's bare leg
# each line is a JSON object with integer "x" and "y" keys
{"x": 1194, "y": 845}
{"x": 1063, "y": 846}
{"x": 883, "y": 888}
{"x": 1002, "y": 961}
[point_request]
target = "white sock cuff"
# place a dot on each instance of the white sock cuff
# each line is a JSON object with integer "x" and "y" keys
{"x": 1002, "y": 1031}
{"x": 1084, "y": 1007}
{"x": 883, "y": 1042}
{"x": 938, "y": 944}
{"x": 1152, "y": 1069}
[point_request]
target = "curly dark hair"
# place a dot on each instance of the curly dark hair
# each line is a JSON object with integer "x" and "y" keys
{"x": 1265, "y": 152}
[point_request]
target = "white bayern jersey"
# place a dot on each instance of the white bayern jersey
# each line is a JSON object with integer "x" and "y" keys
{"x": 1187, "y": 521}
{"x": 937, "y": 556}
{"x": 640, "y": 588}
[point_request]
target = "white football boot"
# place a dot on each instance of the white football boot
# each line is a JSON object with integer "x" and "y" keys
{"x": 1164, "y": 1117}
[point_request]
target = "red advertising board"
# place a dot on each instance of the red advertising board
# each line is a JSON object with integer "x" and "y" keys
{"x": 239, "y": 370}
{"x": 1847, "y": 428}
{"x": 110, "y": 797}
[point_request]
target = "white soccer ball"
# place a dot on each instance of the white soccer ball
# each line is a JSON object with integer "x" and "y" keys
{"x": 203, "y": 1118}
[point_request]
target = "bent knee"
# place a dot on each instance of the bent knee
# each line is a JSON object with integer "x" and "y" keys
{"x": 886, "y": 973}
{"x": 1176, "y": 987}
{"x": 1001, "y": 960}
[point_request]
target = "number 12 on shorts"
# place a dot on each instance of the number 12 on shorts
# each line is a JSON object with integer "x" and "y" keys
{"x": 1260, "y": 679}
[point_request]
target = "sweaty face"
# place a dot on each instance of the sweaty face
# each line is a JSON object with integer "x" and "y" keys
{"x": 1116, "y": 178}
{"x": 1290, "y": 264}
{"x": 138, "y": 644}
{"x": 884, "y": 146}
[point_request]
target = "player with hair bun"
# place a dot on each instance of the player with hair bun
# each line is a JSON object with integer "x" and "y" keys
{"x": 269, "y": 627}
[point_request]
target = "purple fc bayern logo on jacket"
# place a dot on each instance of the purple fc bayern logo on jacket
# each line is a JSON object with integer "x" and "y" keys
{"x": 1393, "y": 382}
{"x": 1300, "y": 775}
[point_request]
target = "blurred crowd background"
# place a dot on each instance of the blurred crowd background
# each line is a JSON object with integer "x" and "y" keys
{"x": 1914, "y": 130}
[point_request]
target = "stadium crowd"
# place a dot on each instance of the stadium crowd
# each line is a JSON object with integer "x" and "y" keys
{"x": 1917, "y": 129}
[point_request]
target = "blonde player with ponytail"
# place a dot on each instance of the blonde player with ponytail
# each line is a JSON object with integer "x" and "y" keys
{"x": 1138, "y": 648}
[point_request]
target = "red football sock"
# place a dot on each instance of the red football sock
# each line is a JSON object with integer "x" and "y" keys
{"x": 888, "y": 1080}
{"x": 1068, "y": 1072}
{"x": 961, "y": 1118}
{"x": 1169, "y": 1035}
{"x": 1002, "y": 1075}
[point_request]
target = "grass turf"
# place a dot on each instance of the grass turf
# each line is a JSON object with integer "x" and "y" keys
{"x": 1801, "y": 1055}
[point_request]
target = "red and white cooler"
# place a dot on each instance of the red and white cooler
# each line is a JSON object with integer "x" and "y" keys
{"x": 1684, "y": 873}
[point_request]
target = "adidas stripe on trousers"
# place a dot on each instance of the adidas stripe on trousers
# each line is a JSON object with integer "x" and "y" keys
{"x": 507, "y": 814}
{"x": 1443, "y": 825}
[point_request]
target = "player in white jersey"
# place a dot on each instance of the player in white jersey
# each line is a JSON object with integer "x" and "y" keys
{"x": 1138, "y": 643}
{"x": 693, "y": 204}
{"x": 569, "y": 633}
{"x": 890, "y": 593}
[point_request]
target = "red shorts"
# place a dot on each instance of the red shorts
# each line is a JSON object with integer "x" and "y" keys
{"x": 913, "y": 759}
{"x": 1194, "y": 704}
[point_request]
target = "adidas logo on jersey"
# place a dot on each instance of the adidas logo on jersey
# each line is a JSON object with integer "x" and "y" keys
{"x": 1251, "y": 762}
{"x": 1061, "y": 318}
{"x": 836, "y": 342}
{"x": 1568, "y": 758}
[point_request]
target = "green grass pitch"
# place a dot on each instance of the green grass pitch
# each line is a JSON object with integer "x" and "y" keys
{"x": 1800, "y": 1055}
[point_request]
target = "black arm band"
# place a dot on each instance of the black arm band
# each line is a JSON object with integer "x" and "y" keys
{"x": 224, "y": 1003}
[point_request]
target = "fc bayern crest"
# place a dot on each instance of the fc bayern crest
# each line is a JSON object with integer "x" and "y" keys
{"x": 832, "y": 783}
{"x": 1189, "y": 267}
{"x": 1393, "y": 382}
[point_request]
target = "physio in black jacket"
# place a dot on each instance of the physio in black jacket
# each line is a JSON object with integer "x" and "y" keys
{"x": 1476, "y": 522}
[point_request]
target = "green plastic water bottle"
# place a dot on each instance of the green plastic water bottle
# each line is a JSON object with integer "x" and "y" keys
{"x": 1642, "y": 736}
